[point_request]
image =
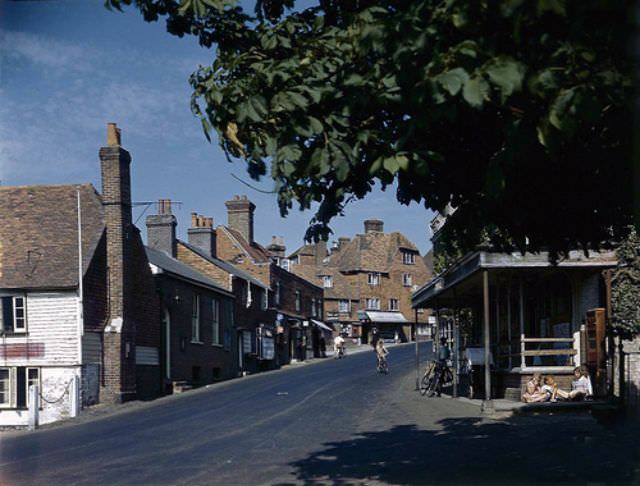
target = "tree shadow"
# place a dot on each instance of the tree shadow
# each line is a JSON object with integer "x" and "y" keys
{"x": 539, "y": 449}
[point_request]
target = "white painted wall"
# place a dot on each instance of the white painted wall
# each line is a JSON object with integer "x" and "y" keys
{"x": 52, "y": 320}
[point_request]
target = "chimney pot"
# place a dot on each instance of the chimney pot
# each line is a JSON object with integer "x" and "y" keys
{"x": 194, "y": 220}
{"x": 113, "y": 135}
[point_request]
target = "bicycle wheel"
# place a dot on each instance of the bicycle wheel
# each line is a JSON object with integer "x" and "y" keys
{"x": 433, "y": 385}
{"x": 425, "y": 380}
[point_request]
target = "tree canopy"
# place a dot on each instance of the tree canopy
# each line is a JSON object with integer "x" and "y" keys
{"x": 516, "y": 112}
{"x": 625, "y": 288}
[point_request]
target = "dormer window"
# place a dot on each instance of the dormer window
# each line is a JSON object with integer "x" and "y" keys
{"x": 327, "y": 281}
{"x": 374, "y": 278}
{"x": 408, "y": 258}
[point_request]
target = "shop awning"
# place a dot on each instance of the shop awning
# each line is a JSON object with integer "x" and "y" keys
{"x": 386, "y": 317}
{"x": 321, "y": 325}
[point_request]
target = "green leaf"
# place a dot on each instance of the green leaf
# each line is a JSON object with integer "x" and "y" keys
{"x": 476, "y": 91}
{"x": 560, "y": 113}
{"x": 453, "y": 80}
{"x": 316, "y": 125}
{"x": 507, "y": 75}
{"x": 391, "y": 165}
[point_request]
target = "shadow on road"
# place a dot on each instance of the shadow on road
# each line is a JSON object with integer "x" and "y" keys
{"x": 541, "y": 450}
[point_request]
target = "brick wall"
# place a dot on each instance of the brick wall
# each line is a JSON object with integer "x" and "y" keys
{"x": 187, "y": 354}
{"x": 95, "y": 290}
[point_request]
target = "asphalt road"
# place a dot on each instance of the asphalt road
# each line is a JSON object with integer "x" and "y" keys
{"x": 334, "y": 422}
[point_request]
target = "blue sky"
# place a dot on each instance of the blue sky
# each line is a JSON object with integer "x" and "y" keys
{"x": 67, "y": 67}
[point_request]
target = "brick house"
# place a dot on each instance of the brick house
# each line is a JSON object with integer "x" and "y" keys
{"x": 295, "y": 303}
{"x": 198, "y": 345}
{"x": 82, "y": 325}
{"x": 367, "y": 281}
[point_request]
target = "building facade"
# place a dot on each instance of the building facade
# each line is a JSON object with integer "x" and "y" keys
{"x": 70, "y": 263}
{"x": 367, "y": 281}
{"x": 295, "y": 302}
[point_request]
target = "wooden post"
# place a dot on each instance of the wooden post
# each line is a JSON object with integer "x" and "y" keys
{"x": 523, "y": 363}
{"x": 415, "y": 335}
{"x": 487, "y": 404}
{"x": 456, "y": 346}
{"x": 509, "y": 322}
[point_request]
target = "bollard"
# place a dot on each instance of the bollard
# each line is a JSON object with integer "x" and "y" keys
{"x": 74, "y": 396}
{"x": 34, "y": 406}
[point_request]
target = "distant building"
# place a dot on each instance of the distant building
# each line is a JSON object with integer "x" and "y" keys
{"x": 367, "y": 281}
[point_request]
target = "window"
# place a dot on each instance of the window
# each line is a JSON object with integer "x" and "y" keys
{"x": 343, "y": 306}
{"x": 327, "y": 281}
{"x": 249, "y": 295}
{"x": 406, "y": 279}
{"x": 393, "y": 304}
{"x": 5, "y": 387}
{"x": 297, "y": 301}
{"x": 313, "y": 308}
{"x": 408, "y": 258}
{"x": 284, "y": 263}
{"x": 295, "y": 260}
{"x": 264, "y": 299}
{"x": 13, "y": 316}
{"x": 215, "y": 322}
{"x": 276, "y": 297}
{"x": 195, "y": 319}
{"x": 14, "y": 386}
{"x": 373, "y": 303}
{"x": 374, "y": 278}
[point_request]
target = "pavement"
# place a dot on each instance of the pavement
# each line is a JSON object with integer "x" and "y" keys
{"x": 328, "y": 422}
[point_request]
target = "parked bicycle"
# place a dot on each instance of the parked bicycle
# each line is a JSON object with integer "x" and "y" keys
{"x": 436, "y": 375}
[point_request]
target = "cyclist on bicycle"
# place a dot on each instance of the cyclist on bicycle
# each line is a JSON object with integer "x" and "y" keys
{"x": 338, "y": 346}
{"x": 381, "y": 352}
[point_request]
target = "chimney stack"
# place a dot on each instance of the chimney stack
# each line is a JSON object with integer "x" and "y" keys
{"x": 161, "y": 229}
{"x": 119, "y": 332}
{"x": 373, "y": 226}
{"x": 202, "y": 235}
{"x": 240, "y": 216}
{"x": 340, "y": 244}
{"x": 277, "y": 248}
{"x": 321, "y": 251}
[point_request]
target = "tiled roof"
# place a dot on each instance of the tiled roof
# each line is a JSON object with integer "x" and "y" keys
{"x": 39, "y": 234}
{"x": 341, "y": 288}
{"x": 227, "y": 267}
{"x": 256, "y": 251}
{"x": 371, "y": 252}
{"x": 179, "y": 269}
{"x": 305, "y": 250}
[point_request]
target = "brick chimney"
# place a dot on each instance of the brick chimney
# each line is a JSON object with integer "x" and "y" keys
{"x": 161, "y": 229}
{"x": 321, "y": 251}
{"x": 373, "y": 226}
{"x": 240, "y": 216}
{"x": 277, "y": 247}
{"x": 119, "y": 332}
{"x": 202, "y": 235}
